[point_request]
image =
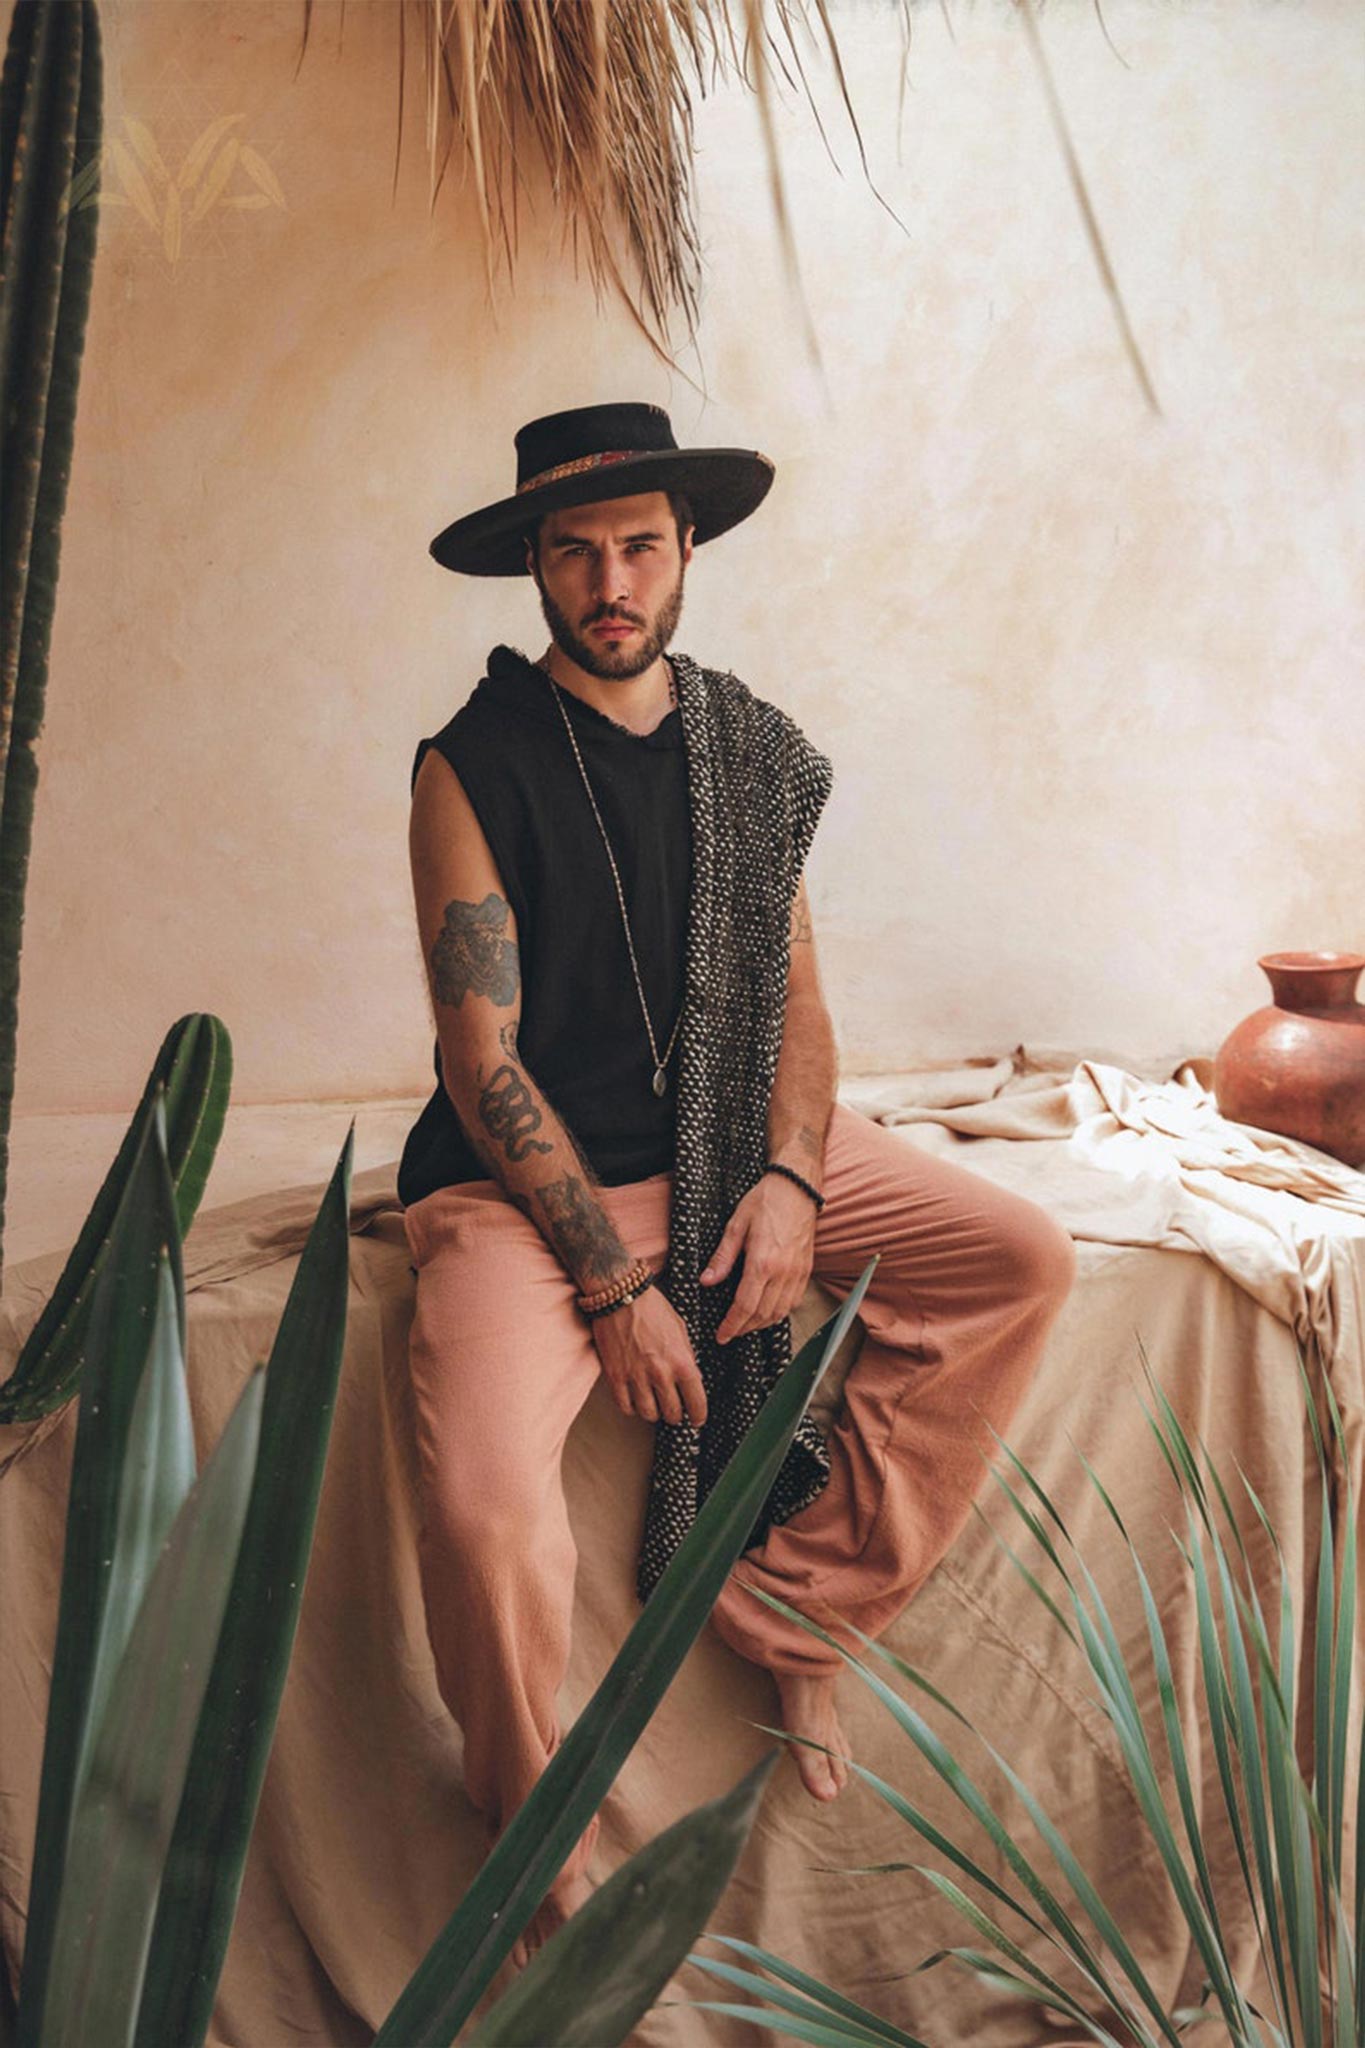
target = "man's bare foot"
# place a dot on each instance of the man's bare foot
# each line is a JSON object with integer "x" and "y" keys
{"x": 560, "y": 1905}
{"x": 570, "y": 1890}
{"x": 808, "y": 1709}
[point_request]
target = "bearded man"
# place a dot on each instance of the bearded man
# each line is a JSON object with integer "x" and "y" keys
{"x": 633, "y": 1161}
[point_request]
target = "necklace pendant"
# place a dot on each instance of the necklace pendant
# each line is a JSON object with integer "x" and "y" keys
{"x": 660, "y": 1080}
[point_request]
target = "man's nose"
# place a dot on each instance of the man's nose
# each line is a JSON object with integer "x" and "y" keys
{"x": 613, "y": 577}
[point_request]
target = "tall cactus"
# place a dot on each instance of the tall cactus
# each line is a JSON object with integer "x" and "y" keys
{"x": 50, "y": 133}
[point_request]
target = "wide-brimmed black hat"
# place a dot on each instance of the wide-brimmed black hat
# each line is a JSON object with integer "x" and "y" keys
{"x": 596, "y": 452}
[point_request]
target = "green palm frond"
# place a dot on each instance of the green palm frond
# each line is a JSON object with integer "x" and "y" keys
{"x": 1287, "y": 1823}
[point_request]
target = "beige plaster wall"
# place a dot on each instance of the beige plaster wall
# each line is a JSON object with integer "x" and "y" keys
{"x": 1090, "y": 678}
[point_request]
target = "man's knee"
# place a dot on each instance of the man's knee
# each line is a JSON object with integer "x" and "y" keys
{"x": 1041, "y": 1258}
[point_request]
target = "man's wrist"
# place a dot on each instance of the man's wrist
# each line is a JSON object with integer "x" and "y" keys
{"x": 801, "y": 1150}
{"x": 801, "y": 1180}
{"x": 607, "y": 1300}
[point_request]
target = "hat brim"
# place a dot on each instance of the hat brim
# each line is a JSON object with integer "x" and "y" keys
{"x": 723, "y": 486}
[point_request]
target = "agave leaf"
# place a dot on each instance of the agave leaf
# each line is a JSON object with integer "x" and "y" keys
{"x": 1332, "y": 1771}
{"x": 788, "y": 2028}
{"x": 158, "y": 1472}
{"x": 1034, "y": 1982}
{"x": 197, "y": 1089}
{"x": 463, "y": 1958}
{"x": 967, "y": 1792}
{"x": 1180, "y": 1765}
{"x": 998, "y": 1978}
{"x": 125, "y": 1808}
{"x": 1089, "y": 1897}
{"x": 194, "y": 1070}
{"x": 1120, "y": 1702}
{"x": 1038, "y": 1590}
{"x": 856, "y": 2028}
{"x": 924, "y": 1827}
{"x": 1325, "y": 1692}
{"x": 1034, "y": 1488}
{"x": 1222, "y": 1726}
{"x": 963, "y": 1787}
{"x": 1104, "y": 1653}
{"x": 203, "y": 1873}
{"x": 1269, "y": 1750}
{"x": 1034, "y": 1527}
{"x": 1248, "y": 1739}
{"x": 121, "y": 1327}
{"x": 1287, "y": 1820}
{"x": 787, "y": 1973}
{"x": 1178, "y": 1444}
{"x": 601, "y": 1972}
{"x": 1343, "y": 2031}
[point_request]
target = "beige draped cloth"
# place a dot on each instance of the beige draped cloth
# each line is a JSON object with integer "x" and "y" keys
{"x": 1216, "y": 1248}
{"x": 1133, "y": 1160}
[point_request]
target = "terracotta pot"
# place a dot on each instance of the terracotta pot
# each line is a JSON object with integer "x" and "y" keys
{"x": 1298, "y": 1065}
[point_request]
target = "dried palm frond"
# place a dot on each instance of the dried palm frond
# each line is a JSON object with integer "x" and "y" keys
{"x": 600, "y": 92}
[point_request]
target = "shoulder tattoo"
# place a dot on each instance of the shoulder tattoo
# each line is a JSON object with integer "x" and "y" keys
{"x": 473, "y": 955}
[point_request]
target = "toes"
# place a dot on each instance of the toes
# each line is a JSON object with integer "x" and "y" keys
{"x": 815, "y": 1772}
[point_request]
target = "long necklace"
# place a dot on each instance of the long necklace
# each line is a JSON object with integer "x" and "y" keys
{"x": 660, "y": 1064}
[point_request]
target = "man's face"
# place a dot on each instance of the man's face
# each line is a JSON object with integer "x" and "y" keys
{"x": 610, "y": 578}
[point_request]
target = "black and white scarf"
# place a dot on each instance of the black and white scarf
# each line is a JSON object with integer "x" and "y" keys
{"x": 757, "y": 787}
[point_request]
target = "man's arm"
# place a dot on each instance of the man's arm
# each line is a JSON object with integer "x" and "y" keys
{"x": 807, "y": 1076}
{"x": 469, "y": 942}
{"x": 468, "y": 935}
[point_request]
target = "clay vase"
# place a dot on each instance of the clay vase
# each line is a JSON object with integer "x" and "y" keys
{"x": 1298, "y": 1065}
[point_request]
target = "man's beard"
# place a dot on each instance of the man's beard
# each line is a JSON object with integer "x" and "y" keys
{"x": 614, "y": 664}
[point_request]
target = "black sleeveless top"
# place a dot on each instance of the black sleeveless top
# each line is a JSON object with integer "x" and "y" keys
{"x": 582, "y": 1037}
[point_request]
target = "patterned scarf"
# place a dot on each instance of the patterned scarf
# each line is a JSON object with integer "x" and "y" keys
{"x": 757, "y": 787}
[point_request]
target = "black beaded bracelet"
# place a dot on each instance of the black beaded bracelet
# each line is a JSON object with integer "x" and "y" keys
{"x": 774, "y": 1166}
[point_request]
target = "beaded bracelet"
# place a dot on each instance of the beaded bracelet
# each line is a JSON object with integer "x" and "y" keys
{"x": 611, "y": 1307}
{"x": 636, "y": 1274}
{"x": 774, "y": 1166}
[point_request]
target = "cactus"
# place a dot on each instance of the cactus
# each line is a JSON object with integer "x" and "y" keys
{"x": 50, "y": 133}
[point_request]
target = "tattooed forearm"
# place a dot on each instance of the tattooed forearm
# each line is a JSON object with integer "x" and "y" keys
{"x": 810, "y": 1141}
{"x": 801, "y": 931}
{"x": 513, "y": 1126}
{"x": 472, "y": 954}
{"x": 497, "y": 1166}
{"x": 509, "y": 1111}
{"x": 582, "y": 1233}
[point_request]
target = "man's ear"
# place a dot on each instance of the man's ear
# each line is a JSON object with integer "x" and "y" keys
{"x": 530, "y": 558}
{"x": 687, "y": 545}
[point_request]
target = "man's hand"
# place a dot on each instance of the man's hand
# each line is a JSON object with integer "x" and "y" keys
{"x": 774, "y": 1226}
{"x": 648, "y": 1360}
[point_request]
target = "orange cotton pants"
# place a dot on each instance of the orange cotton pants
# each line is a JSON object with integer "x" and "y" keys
{"x": 969, "y": 1280}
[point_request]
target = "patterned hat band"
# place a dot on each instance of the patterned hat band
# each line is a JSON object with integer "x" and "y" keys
{"x": 582, "y": 462}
